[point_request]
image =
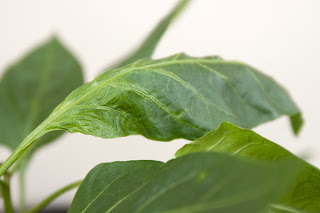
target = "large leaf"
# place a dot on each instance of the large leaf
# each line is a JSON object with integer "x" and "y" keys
{"x": 304, "y": 196}
{"x": 107, "y": 184}
{"x": 148, "y": 46}
{"x": 31, "y": 88}
{"x": 175, "y": 97}
{"x": 201, "y": 182}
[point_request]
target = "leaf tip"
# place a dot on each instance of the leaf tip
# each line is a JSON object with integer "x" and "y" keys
{"x": 296, "y": 123}
{"x": 54, "y": 38}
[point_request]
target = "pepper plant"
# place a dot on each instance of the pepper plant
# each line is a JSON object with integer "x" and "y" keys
{"x": 228, "y": 168}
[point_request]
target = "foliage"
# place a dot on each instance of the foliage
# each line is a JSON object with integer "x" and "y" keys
{"x": 31, "y": 88}
{"x": 303, "y": 195}
{"x": 208, "y": 99}
{"x": 200, "y": 182}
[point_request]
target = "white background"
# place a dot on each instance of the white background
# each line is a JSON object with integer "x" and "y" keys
{"x": 280, "y": 37}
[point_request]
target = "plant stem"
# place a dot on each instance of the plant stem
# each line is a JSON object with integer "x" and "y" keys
{"x": 22, "y": 176}
{"x": 5, "y": 188}
{"x": 26, "y": 143}
{"x": 49, "y": 199}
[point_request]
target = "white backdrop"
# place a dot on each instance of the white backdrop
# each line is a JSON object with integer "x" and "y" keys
{"x": 281, "y": 38}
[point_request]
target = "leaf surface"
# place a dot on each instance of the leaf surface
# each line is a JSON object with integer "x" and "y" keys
{"x": 201, "y": 182}
{"x": 107, "y": 184}
{"x": 31, "y": 88}
{"x": 175, "y": 97}
{"x": 148, "y": 46}
{"x": 303, "y": 196}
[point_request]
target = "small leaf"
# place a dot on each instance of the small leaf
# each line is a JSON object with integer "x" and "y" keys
{"x": 148, "y": 46}
{"x": 31, "y": 88}
{"x": 200, "y": 182}
{"x": 175, "y": 97}
{"x": 303, "y": 196}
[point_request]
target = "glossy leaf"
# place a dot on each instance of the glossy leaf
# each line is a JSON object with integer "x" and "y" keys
{"x": 201, "y": 182}
{"x": 107, "y": 184}
{"x": 175, "y": 97}
{"x": 304, "y": 195}
{"x": 148, "y": 46}
{"x": 31, "y": 88}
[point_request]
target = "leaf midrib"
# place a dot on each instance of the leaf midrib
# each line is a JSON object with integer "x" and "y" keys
{"x": 164, "y": 190}
{"x": 34, "y": 109}
{"x": 125, "y": 71}
{"x": 233, "y": 200}
{"x": 284, "y": 208}
{"x": 139, "y": 167}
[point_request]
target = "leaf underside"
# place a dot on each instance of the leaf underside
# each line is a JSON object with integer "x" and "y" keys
{"x": 31, "y": 88}
{"x": 201, "y": 182}
{"x": 174, "y": 97}
{"x": 303, "y": 196}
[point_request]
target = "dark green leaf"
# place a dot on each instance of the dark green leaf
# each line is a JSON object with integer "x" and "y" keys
{"x": 31, "y": 88}
{"x": 148, "y": 46}
{"x": 175, "y": 97}
{"x": 107, "y": 183}
{"x": 201, "y": 182}
{"x": 304, "y": 196}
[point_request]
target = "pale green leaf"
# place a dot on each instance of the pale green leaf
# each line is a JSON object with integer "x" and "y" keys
{"x": 303, "y": 196}
{"x": 148, "y": 46}
{"x": 175, "y": 97}
{"x": 32, "y": 87}
{"x": 201, "y": 182}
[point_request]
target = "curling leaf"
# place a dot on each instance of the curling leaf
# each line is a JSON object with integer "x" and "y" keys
{"x": 148, "y": 46}
{"x": 200, "y": 182}
{"x": 31, "y": 88}
{"x": 303, "y": 196}
{"x": 175, "y": 97}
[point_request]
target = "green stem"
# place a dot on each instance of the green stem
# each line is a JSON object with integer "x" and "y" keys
{"x": 5, "y": 188}
{"x": 26, "y": 143}
{"x": 22, "y": 201}
{"x": 49, "y": 199}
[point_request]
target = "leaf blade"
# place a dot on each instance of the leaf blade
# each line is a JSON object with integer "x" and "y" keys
{"x": 175, "y": 97}
{"x": 198, "y": 182}
{"x": 303, "y": 196}
{"x": 31, "y": 88}
{"x": 107, "y": 176}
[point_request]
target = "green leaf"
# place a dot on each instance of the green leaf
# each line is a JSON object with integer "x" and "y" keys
{"x": 175, "y": 97}
{"x": 304, "y": 195}
{"x": 31, "y": 88}
{"x": 201, "y": 182}
{"x": 148, "y": 46}
{"x": 106, "y": 184}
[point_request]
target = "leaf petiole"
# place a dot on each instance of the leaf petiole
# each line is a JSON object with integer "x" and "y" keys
{"x": 22, "y": 177}
{"x": 5, "y": 190}
{"x": 56, "y": 194}
{"x": 25, "y": 144}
